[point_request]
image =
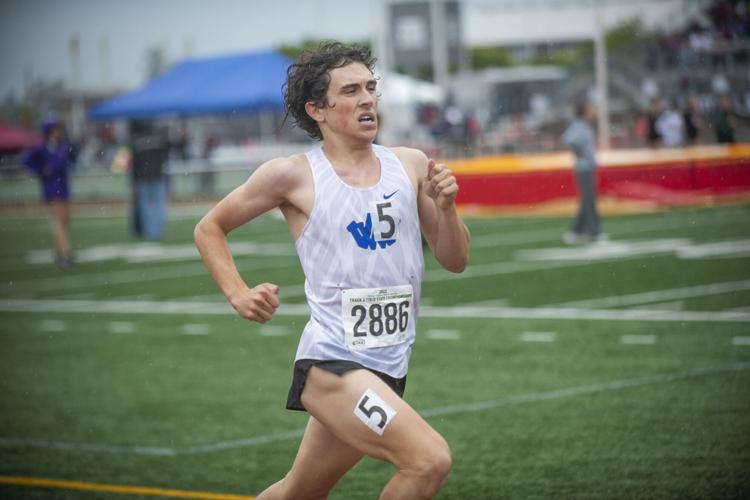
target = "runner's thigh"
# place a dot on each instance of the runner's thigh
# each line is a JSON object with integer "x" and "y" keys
{"x": 363, "y": 412}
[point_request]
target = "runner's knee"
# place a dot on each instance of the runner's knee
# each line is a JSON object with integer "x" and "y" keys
{"x": 431, "y": 464}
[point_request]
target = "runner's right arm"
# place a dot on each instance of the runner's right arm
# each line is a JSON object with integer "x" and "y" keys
{"x": 263, "y": 191}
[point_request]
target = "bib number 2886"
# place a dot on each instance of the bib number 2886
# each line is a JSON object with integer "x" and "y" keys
{"x": 377, "y": 317}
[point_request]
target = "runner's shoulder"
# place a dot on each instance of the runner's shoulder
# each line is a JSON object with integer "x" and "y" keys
{"x": 414, "y": 160}
{"x": 285, "y": 171}
{"x": 284, "y": 164}
{"x": 409, "y": 154}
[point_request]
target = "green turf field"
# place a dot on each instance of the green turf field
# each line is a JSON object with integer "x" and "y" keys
{"x": 615, "y": 372}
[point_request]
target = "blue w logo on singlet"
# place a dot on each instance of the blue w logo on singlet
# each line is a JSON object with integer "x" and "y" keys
{"x": 363, "y": 235}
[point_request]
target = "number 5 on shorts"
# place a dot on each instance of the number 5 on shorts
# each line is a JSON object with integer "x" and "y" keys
{"x": 374, "y": 412}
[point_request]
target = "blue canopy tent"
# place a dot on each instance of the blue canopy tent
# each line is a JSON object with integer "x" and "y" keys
{"x": 244, "y": 83}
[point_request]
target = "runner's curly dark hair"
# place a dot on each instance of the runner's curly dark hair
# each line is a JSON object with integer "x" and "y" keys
{"x": 308, "y": 78}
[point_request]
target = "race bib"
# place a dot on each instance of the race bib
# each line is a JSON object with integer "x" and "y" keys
{"x": 377, "y": 317}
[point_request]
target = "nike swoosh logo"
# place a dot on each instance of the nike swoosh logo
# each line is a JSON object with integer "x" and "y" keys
{"x": 386, "y": 196}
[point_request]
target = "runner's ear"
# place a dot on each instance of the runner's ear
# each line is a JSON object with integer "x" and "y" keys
{"x": 313, "y": 111}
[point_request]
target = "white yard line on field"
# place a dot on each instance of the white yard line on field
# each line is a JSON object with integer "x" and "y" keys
{"x": 135, "y": 275}
{"x": 121, "y": 327}
{"x": 583, "y": 314}
{"x": 140, "y": 253}
{"x": 443, "y": 334}
{"x": 660, "y": 295}
{"x": 682, "y": 248}
{"x": 105, "y": 279}
{"x": 10, "y": 442}
{"x": 438, "y": 275}
{"x": 512, "y": 238}
{"x": 195, "y": 329}
{"x": 582, "y": 389}
{"x": 185, "y": 270}
{"x": 218, "y": 308}
{"x": 286, "y": 291}
{"x": 208, "y": 297}
{"x": 534, "y": 397}
{"x": 498, "y": 268}
{"x": 672, "y": 305}
{"x": 522, "y": 266}
{"x": 638, "y": 339}
{"x": 484, "y": 303}
{"x": 538, "y": 336}
{"x": 273, "y": 331}
{"x": 53, "y": 325}
{"x": 240, "y": 443}
{"x": 198, "y": 269}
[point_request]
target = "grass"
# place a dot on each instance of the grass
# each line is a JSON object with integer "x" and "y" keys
{"x": 93, "y": 396}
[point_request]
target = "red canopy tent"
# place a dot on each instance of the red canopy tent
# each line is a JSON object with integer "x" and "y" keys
{"x": 14, "y": 139}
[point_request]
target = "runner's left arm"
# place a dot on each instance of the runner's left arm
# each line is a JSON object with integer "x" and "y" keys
{"x": 443, "y": 227}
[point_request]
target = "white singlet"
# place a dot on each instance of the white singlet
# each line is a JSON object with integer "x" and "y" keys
{"x": 361, "y": 252}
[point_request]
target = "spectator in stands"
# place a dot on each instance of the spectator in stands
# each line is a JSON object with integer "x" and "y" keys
{"x": 150, "y": 151}
{"x": 700, "y": 41}
{"x": 472, "y": 134}
{"x": 691, "y": 120}
{"x": 579, "y": 137}
{"x": 670, "y": 126}
{"x": 51, "y": 162}
{"x": 723, "y": 121}
{"x": 653, "y": 138}
{"x": 207, "y": 177}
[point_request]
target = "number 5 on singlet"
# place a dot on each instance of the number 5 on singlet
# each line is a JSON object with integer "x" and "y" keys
{"x": 377, "y": 317}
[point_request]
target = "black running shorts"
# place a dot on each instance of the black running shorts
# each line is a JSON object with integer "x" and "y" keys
{"x": 339, "y": 367}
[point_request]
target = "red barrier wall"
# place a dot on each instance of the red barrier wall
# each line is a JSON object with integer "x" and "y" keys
{"x": 666, "y": 176}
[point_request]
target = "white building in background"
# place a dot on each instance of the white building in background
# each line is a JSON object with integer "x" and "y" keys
{"x": 401, "y": 98}
{"x": 438, "y": 34}
{"x": 517, "y": 24}
{"x": 527, "y": 22}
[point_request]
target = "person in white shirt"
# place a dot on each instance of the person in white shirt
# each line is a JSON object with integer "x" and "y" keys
{"x": 355, "y": 211}
{"x": 671, "y": 127}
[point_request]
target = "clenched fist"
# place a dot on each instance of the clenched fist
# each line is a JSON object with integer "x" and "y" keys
{"x": 258, "y": 303}
{"x": 440, "y": 184}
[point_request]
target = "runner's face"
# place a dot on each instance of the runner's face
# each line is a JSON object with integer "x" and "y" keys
{"x": 352, "y": 102}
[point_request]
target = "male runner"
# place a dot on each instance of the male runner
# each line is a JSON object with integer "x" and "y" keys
{"x": 354, "y": 210}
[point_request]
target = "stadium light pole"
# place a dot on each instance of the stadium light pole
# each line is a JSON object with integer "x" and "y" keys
{"x": 379, "y": 15}
{"x": 77, "y": 109}
{"x": 600, "y": 65}
{"x": 438, "y": 44}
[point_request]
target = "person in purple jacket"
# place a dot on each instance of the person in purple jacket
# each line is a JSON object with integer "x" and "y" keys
{"x": 51, "y": 163}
